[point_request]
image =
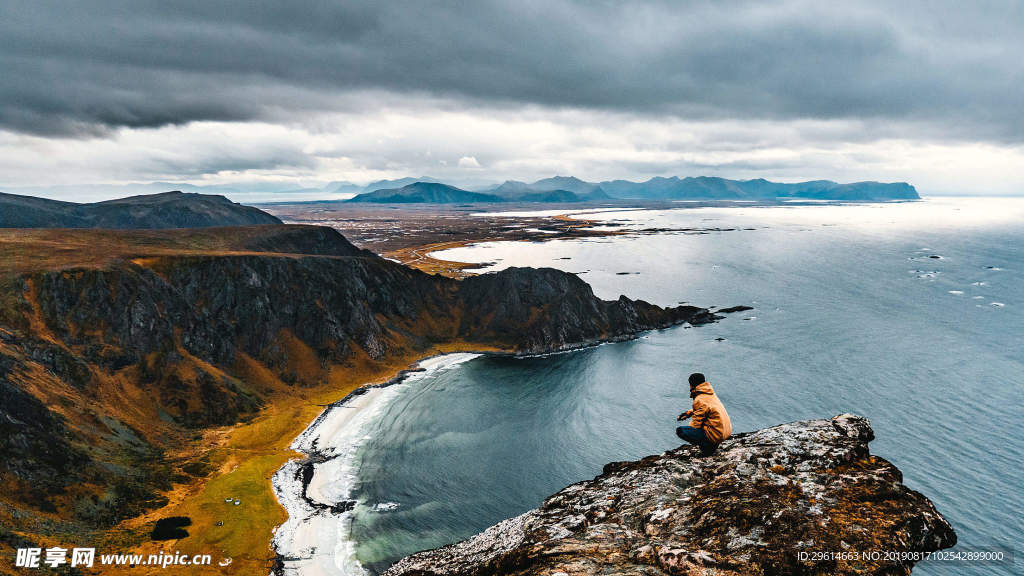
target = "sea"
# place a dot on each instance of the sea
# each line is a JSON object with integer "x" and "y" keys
{"x": 911, "y": 314}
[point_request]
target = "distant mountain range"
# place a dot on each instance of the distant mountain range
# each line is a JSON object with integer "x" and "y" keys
{"x": 425, "y": 193}
{"x": 511, "y": 191}
{"x": 151, "y": 211}
{"x": 558, "y": 189}
{"x": 707, "y": 187}
{"x": 561, "y": 189}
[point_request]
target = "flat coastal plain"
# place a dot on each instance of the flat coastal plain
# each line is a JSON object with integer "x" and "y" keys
{"x": 409, "y": 233}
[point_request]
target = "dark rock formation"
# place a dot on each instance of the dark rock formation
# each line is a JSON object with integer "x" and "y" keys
{"x": 733, "y": 309}
{"x": 166, "y": 210}
{"x": 559, "y": 309}
{"x": 297, "y": 239}
{"x": 33, "y": 441}
{"x": 751, "y": 508}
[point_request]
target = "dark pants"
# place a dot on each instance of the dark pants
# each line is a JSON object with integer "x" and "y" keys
{"x": 697, "y": 437}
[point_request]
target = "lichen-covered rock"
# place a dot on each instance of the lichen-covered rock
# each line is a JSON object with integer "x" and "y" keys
{"x": 751, "y": 508}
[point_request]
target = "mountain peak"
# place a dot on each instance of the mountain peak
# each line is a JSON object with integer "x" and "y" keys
{"x": 559, "y": 179}
{"x": 173, "y": 209}
{"x": 425, "y": 193}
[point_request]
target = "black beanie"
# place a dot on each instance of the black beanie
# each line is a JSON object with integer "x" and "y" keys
{"x": 696, "y": 379}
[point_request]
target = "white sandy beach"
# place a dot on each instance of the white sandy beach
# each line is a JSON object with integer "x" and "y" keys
{"x": 314, "y": 540}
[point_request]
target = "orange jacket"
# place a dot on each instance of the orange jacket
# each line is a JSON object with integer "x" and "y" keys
{"x": 709, "y": 414}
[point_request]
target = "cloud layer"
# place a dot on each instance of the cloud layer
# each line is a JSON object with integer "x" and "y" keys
{"x": 812, "y": 75}
{"x": 72, "y": 65}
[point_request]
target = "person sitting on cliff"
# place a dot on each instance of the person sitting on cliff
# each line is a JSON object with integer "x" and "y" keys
{"x": 710, "y": 424}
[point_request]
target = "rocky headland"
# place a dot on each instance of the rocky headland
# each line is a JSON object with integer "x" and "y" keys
{"x": 131, "y": 363}
{"x": 764, "y": 504}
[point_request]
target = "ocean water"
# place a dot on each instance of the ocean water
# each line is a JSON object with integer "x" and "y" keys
{"x": 910, "y": 314}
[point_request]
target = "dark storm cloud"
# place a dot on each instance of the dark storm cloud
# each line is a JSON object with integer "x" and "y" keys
{"x": 71, "y": 67}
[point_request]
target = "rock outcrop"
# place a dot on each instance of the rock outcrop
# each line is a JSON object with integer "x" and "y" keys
{"x": 763, "y": 504}
{"x": 504, "y": 302}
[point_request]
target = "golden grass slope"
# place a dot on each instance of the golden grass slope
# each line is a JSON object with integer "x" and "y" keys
{"x": 236, "y": 460}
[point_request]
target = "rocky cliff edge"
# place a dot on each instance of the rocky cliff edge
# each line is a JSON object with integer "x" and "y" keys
{"x": 768, "y": 502}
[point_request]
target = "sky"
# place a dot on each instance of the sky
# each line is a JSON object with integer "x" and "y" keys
{"x": 263, "y": 93}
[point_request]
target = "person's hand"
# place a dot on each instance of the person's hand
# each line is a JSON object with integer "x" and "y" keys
{"x": 685, "y": 415}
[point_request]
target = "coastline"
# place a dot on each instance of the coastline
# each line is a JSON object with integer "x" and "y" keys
{"x": 315, "y": 491}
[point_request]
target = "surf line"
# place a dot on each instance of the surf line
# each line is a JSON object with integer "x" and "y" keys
{"x": 316, "y": 491}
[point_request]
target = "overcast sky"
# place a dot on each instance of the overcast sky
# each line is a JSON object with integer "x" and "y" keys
{"x": 306, "y": 92}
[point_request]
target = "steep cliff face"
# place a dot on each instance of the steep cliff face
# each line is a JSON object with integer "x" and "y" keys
{"x": 751, "y": 508}
{"x": 107, "y": 366}
{"x": 560, "y": 309}
{"x": 217, "y": 306}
